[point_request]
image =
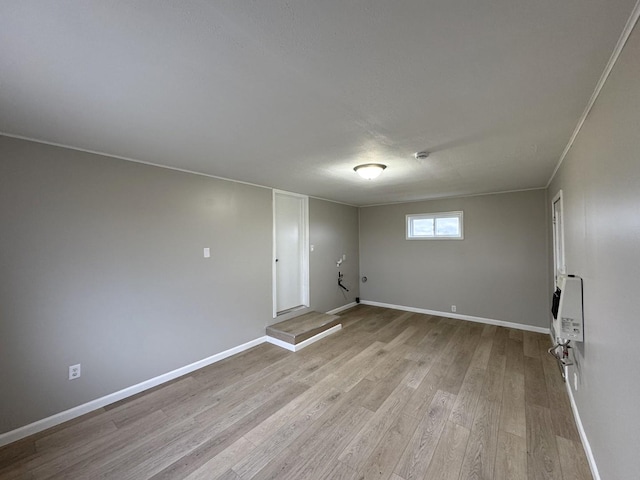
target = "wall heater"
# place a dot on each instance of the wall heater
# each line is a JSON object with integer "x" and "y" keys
{"x": 568, "y": 319}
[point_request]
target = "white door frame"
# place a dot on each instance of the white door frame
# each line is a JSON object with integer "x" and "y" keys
{"x": 560, "y": 244}
{"x": 304, "y": 244}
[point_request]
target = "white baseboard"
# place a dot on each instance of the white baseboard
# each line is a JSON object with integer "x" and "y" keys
{"x": 342, "y": 308}
{"x": 58, "y": 418}
{"x": 583, "y": 435}
{"x": 490, "y": 321}
{"x": 306, "y": 343}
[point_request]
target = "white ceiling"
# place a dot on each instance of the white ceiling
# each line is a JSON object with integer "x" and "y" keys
{"x": 294, "y": 94}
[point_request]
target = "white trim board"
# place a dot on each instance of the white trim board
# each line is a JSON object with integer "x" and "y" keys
{"x": 303, "y": 240}
{"x": 489, "y": 321}
{"x": 58, "y": 418}
{"x": 583, "y": 435}
{"x": 626, "y": 32}
{"x": 126, "y": 159}
{"x": 449, "y": 197}
{"x": 61, "y": 417}
{"x": 342, "y": 308}
{"x": 299, "y": 346}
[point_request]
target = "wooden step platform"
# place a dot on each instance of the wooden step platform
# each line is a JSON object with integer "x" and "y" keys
{"x": 298, "y": 332}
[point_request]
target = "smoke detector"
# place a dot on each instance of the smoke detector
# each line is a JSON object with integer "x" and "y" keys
{"x": 421, "y": 155}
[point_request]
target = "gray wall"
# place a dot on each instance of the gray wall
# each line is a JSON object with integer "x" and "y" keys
{"x": 600, "y": 180}
{"x": 499, "y": 270}
{"x": 101, "y": 263}
{"x": 333, "y": 231}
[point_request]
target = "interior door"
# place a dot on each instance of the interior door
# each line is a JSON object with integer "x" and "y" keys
{"x": 290, "y": 262}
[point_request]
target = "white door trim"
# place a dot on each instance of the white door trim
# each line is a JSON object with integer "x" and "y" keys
{"x": 558, "y": 198}
{"x": 304, "y": 243}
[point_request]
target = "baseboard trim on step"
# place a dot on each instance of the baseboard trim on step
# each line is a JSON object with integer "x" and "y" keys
{"x": 583, "y": 435}
{"x": 58, "y": 418}
{"x": 306, "y": 343}
{"x": 489, "y": 321}
{"x": 342, "y": 308}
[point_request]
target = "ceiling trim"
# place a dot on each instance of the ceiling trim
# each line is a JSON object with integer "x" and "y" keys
{"x": 333, "y": 201}
{"x": 433, "y": 199}
{"x": 151, "y": 164}
{"x": 626, "y": 32}
{"x": 127, "y": 159}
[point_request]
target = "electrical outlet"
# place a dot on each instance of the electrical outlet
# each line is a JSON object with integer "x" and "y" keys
{"x": 575, "y": 381}
{"x": 74, "y": 372}
{"x": 453, "y": 308}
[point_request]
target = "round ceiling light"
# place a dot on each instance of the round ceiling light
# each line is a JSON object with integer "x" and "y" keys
{"x": 370, "y": 170}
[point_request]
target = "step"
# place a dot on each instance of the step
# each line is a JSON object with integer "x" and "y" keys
{"x": 298, "y": 332}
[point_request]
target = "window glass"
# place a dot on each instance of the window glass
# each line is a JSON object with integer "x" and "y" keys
{"x": 447, "y": 225}
{"x": 423, "y": 227}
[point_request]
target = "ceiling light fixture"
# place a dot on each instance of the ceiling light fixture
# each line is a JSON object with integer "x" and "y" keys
{"x": 370, "y": 170}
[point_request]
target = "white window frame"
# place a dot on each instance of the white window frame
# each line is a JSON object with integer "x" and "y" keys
{"x": 419, "y": 216}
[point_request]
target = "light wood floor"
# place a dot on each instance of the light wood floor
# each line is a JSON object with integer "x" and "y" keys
{"x": 394, "y": 395}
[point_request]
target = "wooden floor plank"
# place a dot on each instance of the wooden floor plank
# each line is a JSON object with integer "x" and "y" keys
{"x": 319, "y": 454}
{"x": 174, "y": 393}
{"x": 424, "y": 323}
{"x": 228, "y": 475}
{"x": 425, "y": 391}
{"x": 467, "y": 398}
{"x": 530, "y": 344}
{"x": 272, "y": 438}
{"x": 433, "y": 349}
{"x": 511, "y": 457}
{"x": 51, "y": 464}
{"x": 213, "y": 440}
{"x": 535, "y": 385}
{"x": 482, "y": 352}
{"x": 513, "y": 418}
{"x": 460, "y": 362}
{"x": 363, "y": 444}
{"x": 386, "y": 383}
{"x": 480, "y": 456}
{"x": 447, "y": 459}
{"x": 312, "y": 439}
{"x": 493, "y": 386}
{"x": 383, "y": 459}
{"x": 515, "y": 355}
{"x": 218, "y": 465}
{"x": 543, "y": 462}
{"x": 573, "y": 461}
{"x": 500, "y": 341}
{"x": 230, "y": 370}
{"x": 422, "y": 446}
{"x": 340, "y": 471}
{"x": 392, "y": 395}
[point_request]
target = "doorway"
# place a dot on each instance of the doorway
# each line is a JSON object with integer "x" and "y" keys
{"x": 290, "y": 252}
{"x": 559, "y": 266}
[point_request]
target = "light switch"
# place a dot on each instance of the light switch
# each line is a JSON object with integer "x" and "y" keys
{"x": 207, "y": 252}
{"x": 311, "y": 247}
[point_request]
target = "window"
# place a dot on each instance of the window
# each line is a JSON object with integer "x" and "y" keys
{"x": 425, "y": 226}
